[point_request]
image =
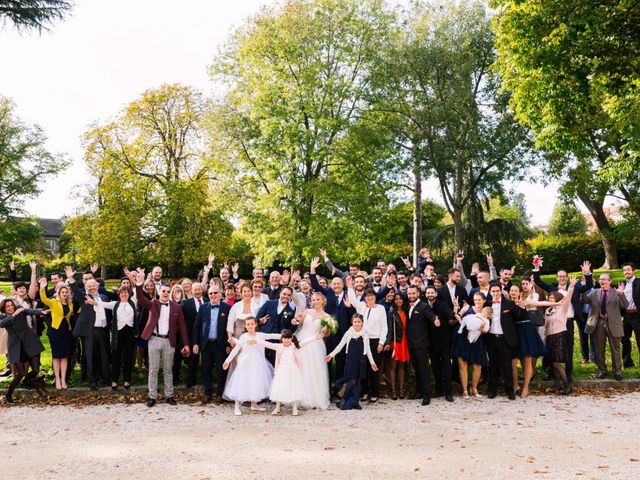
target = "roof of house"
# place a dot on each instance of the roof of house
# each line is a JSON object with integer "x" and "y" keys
{"x": 53, "y": 227}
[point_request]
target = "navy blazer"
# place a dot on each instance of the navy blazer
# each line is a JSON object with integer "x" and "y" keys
{"x": 578, "y": 290}
{"x": 203, "y": 324}
{"x": 341, "y": 312}
{"x": 270, "y": 308}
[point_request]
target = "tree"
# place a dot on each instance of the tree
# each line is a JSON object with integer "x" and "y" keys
{"x": 151, "y": 197}
{"x": 572, "y": 68}
{"x": 452, "y": 118}
{"x": 33, "y": 14}
{"x": 567, "y": 220}
{"x": 290, "y": 137}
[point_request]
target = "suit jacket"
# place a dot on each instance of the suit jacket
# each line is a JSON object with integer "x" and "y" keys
{"x": 418, "y": 325}
{"x": 176, "y": 318}
{"x": 21, "y": 336}
{"x": 272, "y": 294}
{"x": 202, "y": 325}
{"x": 87, "y": 316}
{"x": 440, "y": 337}
{"x": 284, "y": 319}
{"x": 191, "y": 313}
{"x": 635, "y": 292}
{"x": 445, "y": 296}
{"x": 509, "y": 315}
{"x": 340, "y": 311}
{"x": 615, "y": 304}
{"x": 578, "y": 290}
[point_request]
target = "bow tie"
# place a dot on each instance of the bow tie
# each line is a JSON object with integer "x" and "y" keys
{"x": 164, "y": 304}
{"x": 217, "y": 305}
{"x": 496, "y": 301}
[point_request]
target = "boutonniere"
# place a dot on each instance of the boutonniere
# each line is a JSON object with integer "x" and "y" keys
{"x": 286, "y": 314}
{"x": 222, "y": 314}
{"x": 417, "y": 312}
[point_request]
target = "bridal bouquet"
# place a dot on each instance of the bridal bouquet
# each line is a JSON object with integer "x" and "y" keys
{"x": 329, "y": 324}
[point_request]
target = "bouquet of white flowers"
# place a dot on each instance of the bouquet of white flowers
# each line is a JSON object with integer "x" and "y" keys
{"x": 329, "y": 325}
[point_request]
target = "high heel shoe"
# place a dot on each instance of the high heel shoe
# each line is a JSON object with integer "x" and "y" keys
{"x": 394, "y": 395}
{"x": 465, "y": 394}
{"x": 475, "y": 394}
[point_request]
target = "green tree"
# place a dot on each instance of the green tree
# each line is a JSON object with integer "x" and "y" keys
{"x": 573, "y": 70}
{"x": 33, "y": 14}
{"x": 567, "y": 220}
{"x": 290, "y": 139}
{"x": 151, "y": 198}
{"x": 451, "y": 117}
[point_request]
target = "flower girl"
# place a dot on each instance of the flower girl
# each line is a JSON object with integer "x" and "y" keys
{"x": 251, "y": 380}
{"x": 287, "y": 381}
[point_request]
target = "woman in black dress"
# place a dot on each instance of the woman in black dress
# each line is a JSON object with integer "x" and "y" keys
{"x": 24, "y": 346}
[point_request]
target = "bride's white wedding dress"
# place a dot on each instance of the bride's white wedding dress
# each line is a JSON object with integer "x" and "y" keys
{"x": 315, "y": 373}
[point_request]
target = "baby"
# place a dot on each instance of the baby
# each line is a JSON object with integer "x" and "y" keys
{"x": 476, "y": 324}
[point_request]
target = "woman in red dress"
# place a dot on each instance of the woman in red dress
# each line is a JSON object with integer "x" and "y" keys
{"x": 398, "y": 344}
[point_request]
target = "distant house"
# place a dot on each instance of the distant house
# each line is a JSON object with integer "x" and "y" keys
{"x": 52, "y": 230}
{"x": 614, "y": 213}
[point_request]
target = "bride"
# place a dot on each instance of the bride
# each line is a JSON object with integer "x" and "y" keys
{"x": 315, "y": 374}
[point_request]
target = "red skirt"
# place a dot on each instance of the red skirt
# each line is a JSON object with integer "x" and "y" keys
{"x": 400, "y": 350}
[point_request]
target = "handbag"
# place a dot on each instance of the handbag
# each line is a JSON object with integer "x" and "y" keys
{"x": 536, "y": 318}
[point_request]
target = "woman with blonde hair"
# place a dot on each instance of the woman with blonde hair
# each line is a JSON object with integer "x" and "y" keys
{"x": 177, "y": 294}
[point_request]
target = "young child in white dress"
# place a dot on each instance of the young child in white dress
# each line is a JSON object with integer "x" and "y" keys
{"x": 287, "y": 380}
{"x": 251, "y": 380}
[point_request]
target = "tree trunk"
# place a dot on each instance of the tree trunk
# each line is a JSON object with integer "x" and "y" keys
{"x": 417, "y": 209}
{"x": 609, "y": 245}
{"x": 458, "y": 231}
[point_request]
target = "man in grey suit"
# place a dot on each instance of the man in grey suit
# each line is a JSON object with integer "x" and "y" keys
{"x": 605, "y": 322}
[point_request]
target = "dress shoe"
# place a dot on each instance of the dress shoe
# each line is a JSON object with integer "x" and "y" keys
{"x": 151, "y": 402}
{"x": 618, "y": 377}
{"x": 602, "y": 375}
{"x": 511, "y": 395}
{"x": 206, "y": 399}
{"x": 218, "y": 400}
{"x": 448, "y": 397}
{"x": 566, "y": 390}
{"x": 426, "y": 401}
{"x": 171, "y": 401}
{"x": 492, "y": 394}
{"x": 8, "y": 399}
{"x": 415, "y": 396}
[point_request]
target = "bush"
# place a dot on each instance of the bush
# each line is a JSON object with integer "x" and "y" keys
{"x": 569, "y": 252}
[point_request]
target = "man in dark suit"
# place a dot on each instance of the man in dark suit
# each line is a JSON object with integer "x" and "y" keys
{"x": 452, "y": 291}
{"x": 274, "y": 288}
{"x": 575, "y": 311}
{"x": 92, "y": 328}
{"x": 161, "y": 331}
{"x": 440, "y": 344}
{"x": 502, "y": 341}
{"x": 337, "y": 306}
{"x": 631, "y": 321}
{"x": 210, "y": 338}
{"x": 190, "y": 308}
{"x": 418, "y": 320}
{"x": 276, "y": 315}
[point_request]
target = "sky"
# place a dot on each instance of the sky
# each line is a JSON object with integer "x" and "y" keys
{"x": 105, "y": 54}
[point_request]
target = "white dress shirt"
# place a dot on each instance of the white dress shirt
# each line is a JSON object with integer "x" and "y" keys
{"x": 628, "y": 292}
{"x": 163, "y": 321}
{"x": 125, "y": 313}
{"x": 496, "y": 324}
{"x": 101, "y": 316}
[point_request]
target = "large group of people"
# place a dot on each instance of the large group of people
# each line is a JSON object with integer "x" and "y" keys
{"x": 302, "y": 339}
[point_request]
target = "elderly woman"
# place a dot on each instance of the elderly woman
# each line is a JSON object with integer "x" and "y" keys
{"x": 24, "y": 346}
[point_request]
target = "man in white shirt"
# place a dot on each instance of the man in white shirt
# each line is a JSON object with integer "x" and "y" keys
{"x": 631, "y": 320}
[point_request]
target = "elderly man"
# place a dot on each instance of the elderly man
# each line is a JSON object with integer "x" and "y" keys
{"x": 605, "y": 322}
{"x": 274, "y": 288}
{"x": 91, "y": 327}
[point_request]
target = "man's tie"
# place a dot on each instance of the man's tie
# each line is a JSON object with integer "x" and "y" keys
{"x": 603, "y": 304}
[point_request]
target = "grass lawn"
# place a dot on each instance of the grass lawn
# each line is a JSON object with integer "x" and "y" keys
{"x": 580, "y": 372}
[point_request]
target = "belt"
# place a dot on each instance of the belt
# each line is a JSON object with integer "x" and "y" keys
{"x": 523, "y": 321}
{"x": 498, "y": 335}
{"x": 160, "y": 336}
{"x": 632, "y": 311}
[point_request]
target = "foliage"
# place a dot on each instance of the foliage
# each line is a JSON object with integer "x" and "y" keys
{"x": 436, "y": 80}
{"x": 567, "y": 220}
{"x": 151, "y": 200}
{"x": 290, "y": 139}
{"x": 19, "y": 235}
{"x": 33, "y": 14}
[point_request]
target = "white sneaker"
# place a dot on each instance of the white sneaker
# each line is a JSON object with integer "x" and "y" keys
{"x": 237, "y": 412}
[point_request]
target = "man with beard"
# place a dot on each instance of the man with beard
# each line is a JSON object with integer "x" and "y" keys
{"x": 440, "y": 344}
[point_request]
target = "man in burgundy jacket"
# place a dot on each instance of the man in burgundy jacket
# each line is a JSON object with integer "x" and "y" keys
{"x": 165, "y": 320}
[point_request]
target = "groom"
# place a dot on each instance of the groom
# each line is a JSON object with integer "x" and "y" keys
{"x": 277, "y": 315}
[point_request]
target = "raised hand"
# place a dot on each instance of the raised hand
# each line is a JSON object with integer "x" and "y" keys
{"x": 620, "y": 288}
{"x": 33, "y": 266}
{"x": 475, "y": 268}
{"x": 460, "y": 256}
{"x": 315, "y": 262}
{"x": 537, "y": 261}
{"x": 43, "y": 283}
{"x": 12, "y": 265}
{"x": 573, "y": 281}
{"x": 391, "y": 280}
{"x": 70, "y": 272}
{"x": 286, "y": 276}
{"x": 210, "y": 260}
{"x": 235, "y": 268}
{"x": 490, "y": 260}
{"x": 296, "y": 276}
{"x": 94, "y": 268}
{"x": 349, "y": 281}
{"x": 89, "y": 300}
{"x": 225, "y": 265}
{"x": 513, "y": 270}
{"x": 406, "y": 262}
{"x": 323, "y": 252}
{"x": 586, "y": 267}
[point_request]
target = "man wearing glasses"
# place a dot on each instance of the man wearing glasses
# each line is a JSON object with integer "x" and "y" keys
{"x": 210, "y": 338}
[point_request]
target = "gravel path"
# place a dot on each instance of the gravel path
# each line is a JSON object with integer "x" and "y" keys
{"x": 543, "y": 437}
